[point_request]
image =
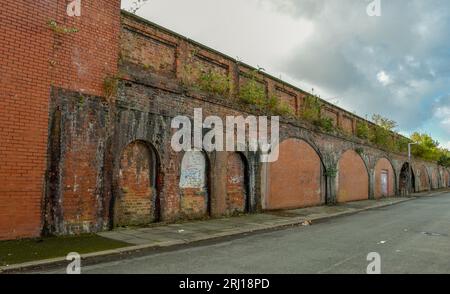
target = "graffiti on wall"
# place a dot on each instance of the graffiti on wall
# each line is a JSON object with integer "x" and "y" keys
{"x": 193, "y": 169}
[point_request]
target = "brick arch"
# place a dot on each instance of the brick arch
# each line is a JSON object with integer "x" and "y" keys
{"x": 137, "y": 199}
{"x": 434, "y": 179}
{"x": 403, "y": 179}
{"x": 446, "y": 178}
{"x": 352, "y": 178}
{"x": 237, "y": 190}
{"x": 194, "y": 185}
{"x": 424, "y": 179}
{"x": 296, "y": 179}
{"x": 383, "y": 168}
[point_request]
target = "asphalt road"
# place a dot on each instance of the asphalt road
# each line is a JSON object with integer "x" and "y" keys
{"x": 412, "y": 237}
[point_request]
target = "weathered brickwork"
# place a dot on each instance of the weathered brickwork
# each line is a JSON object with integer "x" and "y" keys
{"x": 34, "y": 57}
{"x": 236, "y": 201}
{"x": 194, "y": 186}
{"x": 136, "y": 202}
{"x": 296, "y": 178}
{"x": 85, "y": 130}
{"x": 353, "y": 178}
{"x": 330, "y": 114}
{"x": 424, "y": 179}
{"x": 446, "y": 179}
{"x": 384, "y": 179}
{"x": 288, "y": 97}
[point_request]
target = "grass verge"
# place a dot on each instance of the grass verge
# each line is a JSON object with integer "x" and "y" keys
{"x": 19, "y": 251}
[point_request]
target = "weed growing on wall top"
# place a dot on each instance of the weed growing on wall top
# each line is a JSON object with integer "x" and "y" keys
{"x": 212, "y": 81}
{"x": 362, "y": 130}
{"x": 253, "y": 92}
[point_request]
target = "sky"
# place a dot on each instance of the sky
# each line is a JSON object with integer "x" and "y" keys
{"x": 396, "y": 64}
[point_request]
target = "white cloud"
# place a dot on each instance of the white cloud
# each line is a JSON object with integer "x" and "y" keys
{"x": 384, "y": 78}
{"x": 442, "y": 113}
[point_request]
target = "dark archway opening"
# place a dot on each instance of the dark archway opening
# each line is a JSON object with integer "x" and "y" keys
{"x": 405, "y": 179}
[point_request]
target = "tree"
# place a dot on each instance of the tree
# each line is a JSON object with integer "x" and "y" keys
{"x": 428, "y": 148}
{"x": 384, "y": 122}
{"x": 424, "y": 140}
{"x": 444, "y": 159}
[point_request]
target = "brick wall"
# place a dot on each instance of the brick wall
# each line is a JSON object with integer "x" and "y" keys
{"x": 236, "y": 201}
{"x": 34, "y": 58}
{"x": 446, "y": 179}
{"x": 424, "y": 178}
{"x": 194, "y": 186}
{"x": 384, "y": 166}
{"x": 136, "y": 201}
{"x": 54, "y": 103}
{"x": 296, "y": 179}
{"x": 353, "y": 180}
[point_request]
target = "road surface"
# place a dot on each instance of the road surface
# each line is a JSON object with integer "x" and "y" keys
{"x": 411, "y": 237}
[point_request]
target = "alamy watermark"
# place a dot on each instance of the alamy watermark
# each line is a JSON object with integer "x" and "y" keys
{"x": 374, "y": 267}
{"x": 374, "y": 8}
{"x": 74, "y": 8}
{"x": 74, "y": 267}
{"x": 208, "y": 134}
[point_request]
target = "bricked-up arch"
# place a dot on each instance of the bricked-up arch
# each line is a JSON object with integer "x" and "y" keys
{"x": 434, "y": 179}
{"x": 195, "y": 198}
{"x": 297, "y": 177}
{"x": 352, "y": 178}
{"x": 237, "y": 181}
{"x": 383, "y": 169}
{"x": 446, "y": 179}
{"x": 424, "y": 179}
{"x": 137, "y": 202}
{"x": 403, "y": 181}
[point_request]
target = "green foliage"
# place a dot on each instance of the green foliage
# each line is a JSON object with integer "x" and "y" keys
{"x": 444, "y": 159}
{"x": 384, "y": 122}
{"x": 359, "y": 150}
{"x": 206, "y": 80}
{"x": 55, "y": 27}
{"x": 311, "y": 108}
{"x": 312, "y": 112}
{"x": 379, "y": 136}
{"x": 27, "y": 250}
{"x": 325, "y": 123}
{"x": 214, "y": 82}
{"x": 331, "y": 172}
{"x": 362, "y": 130}
{"x": 253, "y": 92}
{"x": 383, "y": 136}
{"x": 427, "y": 148}
{"x": 402, "y": 144}
{"x": 280, "y": 107}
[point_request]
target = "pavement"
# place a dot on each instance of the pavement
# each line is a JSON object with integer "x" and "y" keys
{"x": 410, "y": 238}
{"x": 189, "y": 232}
{"x": 146, "y": 240}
